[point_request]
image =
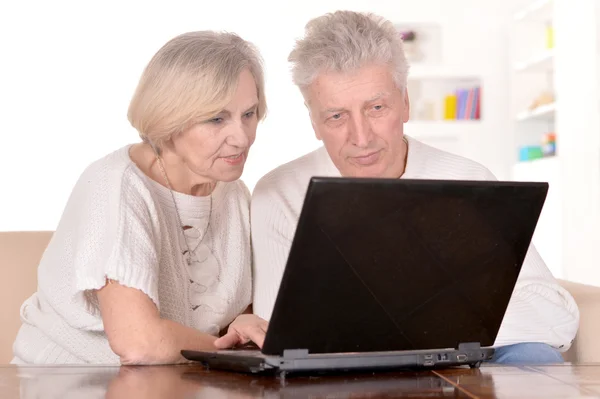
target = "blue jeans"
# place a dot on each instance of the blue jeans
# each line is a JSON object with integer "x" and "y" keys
{"x": 526, "y": 353}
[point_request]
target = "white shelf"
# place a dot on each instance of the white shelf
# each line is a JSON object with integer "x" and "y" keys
{"x": 539, "y": 168}
{"x": 422, "y": 72}
{"x": 442, "y": 129}
{"x": 538, "y": 9}
{"x": 450, "y": 136}
{"x": 543, "y": 61}
{"x": 543, "y": 112}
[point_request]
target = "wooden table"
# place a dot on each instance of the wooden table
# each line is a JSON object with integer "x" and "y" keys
{"x": 560, "y": 381}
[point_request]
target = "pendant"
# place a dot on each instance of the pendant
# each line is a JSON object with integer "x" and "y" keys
{"x": 202, "y": 253}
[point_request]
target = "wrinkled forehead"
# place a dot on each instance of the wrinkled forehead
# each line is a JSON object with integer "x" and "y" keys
{"x": 338, "y": 89}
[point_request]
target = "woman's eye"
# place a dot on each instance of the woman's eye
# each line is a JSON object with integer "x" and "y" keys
{"x": 249, "y": 114}
{"x": 216, "y": 120}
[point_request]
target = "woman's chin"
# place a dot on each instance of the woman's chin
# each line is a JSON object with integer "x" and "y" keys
{"x": 229, "y": 176}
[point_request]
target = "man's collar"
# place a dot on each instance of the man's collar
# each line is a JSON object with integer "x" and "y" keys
{"x": 414, "y": 162}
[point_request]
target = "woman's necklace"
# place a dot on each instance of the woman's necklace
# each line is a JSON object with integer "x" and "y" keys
{"x": 188, "y": 252}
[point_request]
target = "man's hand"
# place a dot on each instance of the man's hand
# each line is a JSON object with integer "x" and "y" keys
{"x": 245, "y": 328}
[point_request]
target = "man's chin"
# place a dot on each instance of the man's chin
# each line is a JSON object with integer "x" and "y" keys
{"x": 367, "y": 172}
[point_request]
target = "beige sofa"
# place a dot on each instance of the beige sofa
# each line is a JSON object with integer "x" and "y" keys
{"x": 21, "y": 251}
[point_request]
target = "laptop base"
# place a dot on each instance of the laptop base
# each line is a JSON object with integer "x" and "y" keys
{"x": 300, "y": 361}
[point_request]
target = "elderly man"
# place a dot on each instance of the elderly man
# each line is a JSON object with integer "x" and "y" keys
{"x": 352, "y": 71}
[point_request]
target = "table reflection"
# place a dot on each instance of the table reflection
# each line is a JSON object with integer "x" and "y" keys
{"x": 193, "y": 381}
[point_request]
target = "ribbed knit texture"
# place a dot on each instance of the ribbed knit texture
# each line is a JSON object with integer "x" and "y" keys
{"x": 120, "y": 224}
{"x": 540, "y": 310}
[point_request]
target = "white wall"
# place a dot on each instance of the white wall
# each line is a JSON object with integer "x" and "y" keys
{"x": 578, "y": 125}
{"x": 69, "y": 69}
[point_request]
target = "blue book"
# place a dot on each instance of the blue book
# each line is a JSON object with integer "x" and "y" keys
{"x": 462, "y": 103}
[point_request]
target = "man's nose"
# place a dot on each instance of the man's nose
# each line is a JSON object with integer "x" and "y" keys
{"x": 360, "y": 131}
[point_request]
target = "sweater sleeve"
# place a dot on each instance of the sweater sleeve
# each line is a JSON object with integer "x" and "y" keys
{"x": 117, "y": 236}
{"x": 272, "y": 233}
{"x": 540, "y": 310}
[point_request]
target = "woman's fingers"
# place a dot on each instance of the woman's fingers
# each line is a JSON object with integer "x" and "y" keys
{"x": 228, "y": 340}
{"x": 256, "y": 334}
{"x": 252, "y": 328}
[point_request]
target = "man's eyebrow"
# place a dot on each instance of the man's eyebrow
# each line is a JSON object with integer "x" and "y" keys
{"x": 378, "y": 96}
{"x": 332, "y": 110}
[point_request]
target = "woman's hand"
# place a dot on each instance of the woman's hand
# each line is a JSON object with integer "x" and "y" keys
{"x": 245, "y": 328}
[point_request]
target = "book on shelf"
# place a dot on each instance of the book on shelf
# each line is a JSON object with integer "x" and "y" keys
{"x": 464, "y": 104}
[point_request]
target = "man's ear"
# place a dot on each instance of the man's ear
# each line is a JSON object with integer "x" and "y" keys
{"x": 406, "y": 108}
{"x": 317, "y": 135}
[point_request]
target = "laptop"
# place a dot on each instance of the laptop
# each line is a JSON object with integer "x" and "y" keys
{"x": 394, "y": 273}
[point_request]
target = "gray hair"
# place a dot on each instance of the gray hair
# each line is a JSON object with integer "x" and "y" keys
{"x": 344, "y": 41}
{"x": 191, "y": 79}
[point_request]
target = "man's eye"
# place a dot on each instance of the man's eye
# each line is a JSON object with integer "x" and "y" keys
{"x": 336, "y": 116}
{"x": 378, "y": 107}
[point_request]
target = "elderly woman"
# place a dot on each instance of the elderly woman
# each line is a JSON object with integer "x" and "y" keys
{"x": 152, "y": 254}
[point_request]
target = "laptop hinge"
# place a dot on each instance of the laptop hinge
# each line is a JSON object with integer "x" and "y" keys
{"x": 469, "y": 346}
{"x": 295, "y": 353}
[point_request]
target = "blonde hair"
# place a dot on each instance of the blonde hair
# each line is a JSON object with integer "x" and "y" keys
{"x": 189, "y": 80}
{"x": 345, "y": 41}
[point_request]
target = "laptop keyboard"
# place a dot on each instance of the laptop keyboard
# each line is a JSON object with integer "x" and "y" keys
{"x": 248, "y": 349}
{"x": 241, "y": 352}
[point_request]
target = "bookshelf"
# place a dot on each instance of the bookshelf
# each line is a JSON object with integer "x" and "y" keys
{"x": 542, "y": 61}
{"x": 533, "y": 111}
{"x": 542, "y": 112}
{"x": 445, "y": 99}
{"x": 565, "y": 76}
{"x": 434, "y": 86}
{"x": 532, "y": 98}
